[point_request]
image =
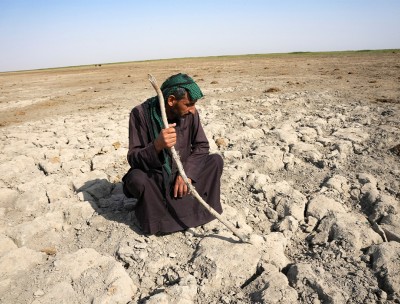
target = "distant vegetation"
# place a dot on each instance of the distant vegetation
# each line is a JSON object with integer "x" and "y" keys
{"x": 297, "y": 53}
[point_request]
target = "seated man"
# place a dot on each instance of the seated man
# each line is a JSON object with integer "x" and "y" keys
{"x": 164, "y": 204}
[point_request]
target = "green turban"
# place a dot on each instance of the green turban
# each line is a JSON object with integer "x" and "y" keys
{"x": 181, "y": 81}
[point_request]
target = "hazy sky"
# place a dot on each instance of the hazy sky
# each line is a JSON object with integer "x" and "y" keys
{"x": 53, "y": 33}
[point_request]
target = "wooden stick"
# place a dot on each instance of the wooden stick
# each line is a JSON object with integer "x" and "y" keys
{"x": 182, "y": 171}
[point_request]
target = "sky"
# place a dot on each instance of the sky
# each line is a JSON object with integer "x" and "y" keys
{"x": 56, "y": 33}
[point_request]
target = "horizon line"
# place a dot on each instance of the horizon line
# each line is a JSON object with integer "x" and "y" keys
{"x": 203, "y": 57}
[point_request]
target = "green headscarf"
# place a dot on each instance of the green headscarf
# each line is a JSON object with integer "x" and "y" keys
{"x": 181, "y": 81}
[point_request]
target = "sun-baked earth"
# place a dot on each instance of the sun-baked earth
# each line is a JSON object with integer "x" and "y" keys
{"x": 311, "y": 145}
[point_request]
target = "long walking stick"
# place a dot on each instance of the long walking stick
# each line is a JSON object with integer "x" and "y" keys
{"x": 182, "y": 171}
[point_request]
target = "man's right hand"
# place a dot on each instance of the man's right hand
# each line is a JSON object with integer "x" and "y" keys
{"x": 166, "y": 139}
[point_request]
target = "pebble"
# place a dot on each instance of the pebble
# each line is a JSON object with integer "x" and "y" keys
{"x": 140, "y": 246}
{"x": 38, "y": 293}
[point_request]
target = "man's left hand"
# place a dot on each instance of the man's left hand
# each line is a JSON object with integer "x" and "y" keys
{"x": 180, "y": 188}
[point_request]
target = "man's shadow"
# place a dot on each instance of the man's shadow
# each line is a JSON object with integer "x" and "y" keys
{"x": 110, "y": 202}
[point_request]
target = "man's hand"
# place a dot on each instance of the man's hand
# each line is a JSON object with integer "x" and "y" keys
{"x": 166, "y": 138}
{"x": 180, "y": 188}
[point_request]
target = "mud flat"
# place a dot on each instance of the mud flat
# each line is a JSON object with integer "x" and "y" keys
{"x": 311, "y": 145}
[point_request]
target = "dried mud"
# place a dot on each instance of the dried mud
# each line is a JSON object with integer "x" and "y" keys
{"x": 311, "y": 150}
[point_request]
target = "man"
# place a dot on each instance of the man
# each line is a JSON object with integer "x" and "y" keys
{"x": 164, "y": 204}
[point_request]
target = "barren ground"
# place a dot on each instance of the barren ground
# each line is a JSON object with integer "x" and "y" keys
{"x": 311, "y": 145}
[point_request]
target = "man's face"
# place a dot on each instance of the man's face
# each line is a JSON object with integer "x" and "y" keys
{"x": 183, "y": 107}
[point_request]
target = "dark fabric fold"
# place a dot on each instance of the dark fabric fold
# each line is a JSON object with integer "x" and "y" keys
{"x": 157, "y": 210}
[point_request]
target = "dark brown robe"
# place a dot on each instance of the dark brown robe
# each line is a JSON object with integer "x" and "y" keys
{"x": 157, "y": 210}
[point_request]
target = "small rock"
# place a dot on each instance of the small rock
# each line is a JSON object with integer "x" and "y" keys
{"x": 272, "y": 157}
{"x": 274, "y": 247}
{"x": 116, "y": 145}
{"x": 38, "y": 293}
{"x": 385, "y": 263}
{"x": 227, "y": 263}
{"x": 271, "y": 214}
{"x": 221, "y": 142}
{"x": 78, "y": 227}
{"x": 49, "y": 250}
{"x": 311, "y": 223}
{"x": 365, "y": 178}
{"x": 140, "y": 246}
{"x": 320, "y": 205}
{"x": 288, "y": 225}
{"x": 231, "y": 155}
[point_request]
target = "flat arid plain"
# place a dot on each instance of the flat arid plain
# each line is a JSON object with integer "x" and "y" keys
{"x": 311, "y": 147}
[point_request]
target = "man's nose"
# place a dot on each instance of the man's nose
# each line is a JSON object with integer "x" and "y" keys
{"x": 192, "y": 110}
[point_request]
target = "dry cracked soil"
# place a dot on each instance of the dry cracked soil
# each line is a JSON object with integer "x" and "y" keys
{"x": 311, "y": 147}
